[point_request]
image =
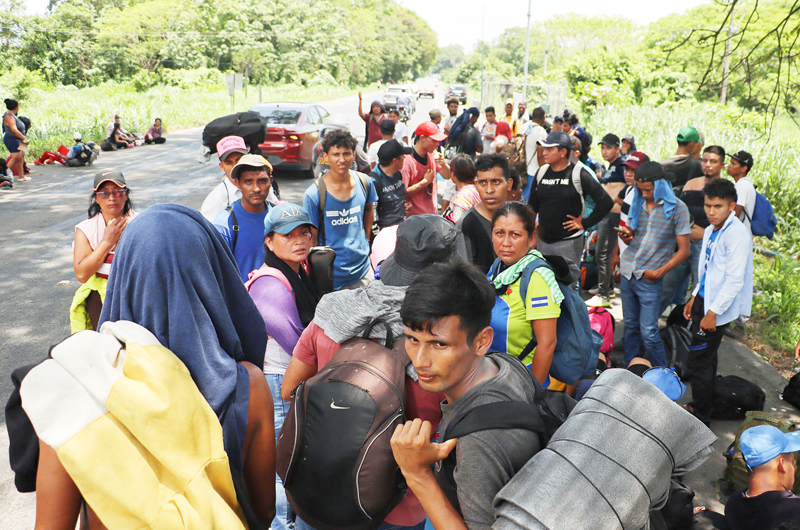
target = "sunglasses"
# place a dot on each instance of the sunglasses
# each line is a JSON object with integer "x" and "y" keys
{"x": 116, "y": 193}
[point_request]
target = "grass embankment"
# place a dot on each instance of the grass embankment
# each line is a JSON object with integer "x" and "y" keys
{"x": 774, "y": 327}
{"x": 57, "y": 114}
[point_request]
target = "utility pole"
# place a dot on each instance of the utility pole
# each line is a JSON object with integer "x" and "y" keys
{"x": 527, "y": 49}
{"x": 726, "y": 61}
{"x": 483, "y": 46}
{"x": 546, "y": 47}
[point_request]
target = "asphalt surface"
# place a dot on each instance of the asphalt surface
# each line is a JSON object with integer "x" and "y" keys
{"x": 37, "y": 281}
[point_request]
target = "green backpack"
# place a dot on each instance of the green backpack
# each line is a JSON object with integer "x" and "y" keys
{"x": 736, "y": 470}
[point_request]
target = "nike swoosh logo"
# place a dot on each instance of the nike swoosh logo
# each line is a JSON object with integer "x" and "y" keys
{"x": 334, "y": 407}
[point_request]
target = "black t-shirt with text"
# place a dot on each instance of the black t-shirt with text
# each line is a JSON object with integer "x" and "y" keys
{"x": 391, "y": 197}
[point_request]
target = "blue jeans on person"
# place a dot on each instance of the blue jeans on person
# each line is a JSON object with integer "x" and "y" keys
{"x": 284, "y": 516}
{"x": 676, "y": 281}
{"x": 640, "y": 309}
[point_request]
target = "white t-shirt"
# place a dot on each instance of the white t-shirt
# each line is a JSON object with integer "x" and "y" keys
{"x": 491, "y": 129}
{"x": 400, "y": 132}
{"x": 746, "y": 196}
{"x": 623, "y": 217}
{"x": 223, "y": 195}
{"x": 535, "y": 133}
{"x": 372, "y": 152}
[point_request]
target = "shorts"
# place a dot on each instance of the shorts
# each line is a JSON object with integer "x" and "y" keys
{"x": 12, "y": 142}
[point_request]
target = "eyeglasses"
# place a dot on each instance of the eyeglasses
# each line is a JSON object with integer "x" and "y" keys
{"x": 116, "y": 193}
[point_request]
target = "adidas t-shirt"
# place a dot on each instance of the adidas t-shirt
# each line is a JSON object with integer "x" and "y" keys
{"x": 512, "y": 318}
{"x": 344, "y": 230}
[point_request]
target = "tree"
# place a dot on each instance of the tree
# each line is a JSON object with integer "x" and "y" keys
{"x": 448, "y": 57}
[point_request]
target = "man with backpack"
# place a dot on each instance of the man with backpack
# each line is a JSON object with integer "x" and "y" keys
{"x": 535, "y": 132}
{"x": 422, "y": 240}
{"x": 242, "y": 224}
{"x": 389, "y": 183}
{"x": 558, "y": 195}
{"x": 341, "y": 203}
{"x": 738, "y": 168}
{"x": 420, "y": 167}
{"x": 448, "y": 338}
{"x": 724, "y": 291}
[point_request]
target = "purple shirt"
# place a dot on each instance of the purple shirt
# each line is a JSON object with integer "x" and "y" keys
{"x": 279, "y": 311}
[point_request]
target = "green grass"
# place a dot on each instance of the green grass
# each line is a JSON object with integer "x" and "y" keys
{"x": 58, "y": 114}
{"x": 776, "y": 150}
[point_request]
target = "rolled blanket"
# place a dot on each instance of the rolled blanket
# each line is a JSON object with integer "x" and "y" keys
{"x": 612, "y": 458}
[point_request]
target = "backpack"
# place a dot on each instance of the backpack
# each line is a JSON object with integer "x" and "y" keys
{"x": 677, "y": 340}
{"x": 577, "y": 344}
{"x": 736, "y": 469}
{"x": 251, "y": 126}
{"x": 791, "y": 393}
{"x": 576, "y": 182}
{"x": 603, "y": 323}
{"x": 734, "y": 397}
{"x": 547, "y": 413}
{"x": 235, "y": 223}
{"x": 515, "y": 152}
{"x": 333, "y": 452}
{"x": 322, "y": 191}
{"x": 763, "y": 222}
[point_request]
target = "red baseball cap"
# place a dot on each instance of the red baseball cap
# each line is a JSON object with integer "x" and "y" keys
{"x": 428, "y": 128}
{"x": 636, "y": 159}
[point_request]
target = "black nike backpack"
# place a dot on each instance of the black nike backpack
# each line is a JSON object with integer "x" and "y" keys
{"x": 333, "y": 454}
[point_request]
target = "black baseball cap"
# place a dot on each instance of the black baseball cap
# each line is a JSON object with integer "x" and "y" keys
{"x": 558, "y": 139}
{"x": 651, "y": 172}
{"x": 421, "y": 241}
{"x": 558, "y": 118}
{"x": 744, "y": 158}
{"x": 610, "y": 139}
{"x": 387, "y": 126}
{"x": 109, "y": 176}
{"x": 392, "y": 149}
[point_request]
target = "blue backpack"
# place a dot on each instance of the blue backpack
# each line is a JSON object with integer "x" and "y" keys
{"x": 577, "y": 344}
{"x": 763, "y": 222}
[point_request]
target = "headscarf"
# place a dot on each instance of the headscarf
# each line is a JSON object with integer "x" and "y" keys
{"x": 461, "y": 124}
{"x": 663, "y": 191}
{"x": 304, "y": 292}
{"x": 504, "y": 129}
{"x": 174, "y": 275}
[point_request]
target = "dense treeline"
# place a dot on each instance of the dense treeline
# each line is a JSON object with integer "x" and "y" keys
{"x": 86, "y": 42}
{"x": 610, "y": 60}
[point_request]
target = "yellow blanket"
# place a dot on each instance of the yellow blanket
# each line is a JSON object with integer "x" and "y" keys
{"x": 132, "y": 430}
{"x": 78, "y": 315}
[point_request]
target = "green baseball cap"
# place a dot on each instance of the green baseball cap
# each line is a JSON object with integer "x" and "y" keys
{"x": 688, "y": 134}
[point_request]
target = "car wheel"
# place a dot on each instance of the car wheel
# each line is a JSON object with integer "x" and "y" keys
{"x": 309, "y": 173}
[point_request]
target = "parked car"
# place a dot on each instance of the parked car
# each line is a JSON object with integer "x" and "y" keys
{"x": 456, "y": 91}
{"x": 292, "y": 131}
{"x": 393, "y": 91}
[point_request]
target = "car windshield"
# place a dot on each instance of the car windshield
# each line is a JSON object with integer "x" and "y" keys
{"x": 395, "y": 90}
{"x": 279, "y": 116}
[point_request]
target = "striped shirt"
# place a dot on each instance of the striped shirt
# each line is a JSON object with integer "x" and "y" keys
{"x": 654, "y": 242}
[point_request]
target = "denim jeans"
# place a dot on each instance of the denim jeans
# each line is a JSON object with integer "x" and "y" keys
{"x": 284, "y": 516}
{"x": 676, "y": 281}
{"x": 640, "y": 309}
{"x": 606, "y": 241}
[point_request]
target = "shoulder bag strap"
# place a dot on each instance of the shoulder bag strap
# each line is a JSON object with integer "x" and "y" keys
{"x": 322, "y": 191}
{"x": 234, "y": 226}
{"x": 498, "y": 415}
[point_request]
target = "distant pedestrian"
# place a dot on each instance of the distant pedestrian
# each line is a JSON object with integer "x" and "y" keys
{"x": 682, "y": 164}
{"x": 124, "y": 135}
{"x": 452, "y": 110}
{"x": 535, "y": 133}
{"x": 400, "y": 129}
{"x": 389, "y": 183}
{"x": 628, "y": 145}
{"x": 155, "y": 134}
{"x": 522, "y": 114}
{"x": 739, "y": 169}
{"x": 510, "y": 118}
{"x": 420, "y": 167}
{"x": 13, "y": 136}
{"x": 372, "y": 119}
{"x": 387, "y": 133}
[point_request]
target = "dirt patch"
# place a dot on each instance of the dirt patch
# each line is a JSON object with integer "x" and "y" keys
{"x": 781, "y": 360}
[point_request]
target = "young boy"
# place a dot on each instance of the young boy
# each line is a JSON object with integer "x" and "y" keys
{"x": 724, "y": 290}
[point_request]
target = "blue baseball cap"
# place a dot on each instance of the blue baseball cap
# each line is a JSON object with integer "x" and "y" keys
{"x": 762, "y": 443}
{"x": 666, "y": 380}
{"x": 285, "y": 217}
{"x": 557, "y": 139}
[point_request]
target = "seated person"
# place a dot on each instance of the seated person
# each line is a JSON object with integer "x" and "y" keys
{"x": 768, "y": 503}
{"x": 81, "y": 154}
{"x": 155, "y": 134}
{"x": 448, "y": 337}
{"x": 118, "y": 139}
{"x": 5, "y": 176}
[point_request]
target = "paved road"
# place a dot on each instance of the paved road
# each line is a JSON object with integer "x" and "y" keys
{"x": 35, "y": 248}
{"x": 37, "y": 281}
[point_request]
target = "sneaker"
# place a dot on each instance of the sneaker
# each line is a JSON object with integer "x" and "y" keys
{"x": 593, "y": 290}
{"x": 598, "y": 301}
{"x": 612, "y": 294}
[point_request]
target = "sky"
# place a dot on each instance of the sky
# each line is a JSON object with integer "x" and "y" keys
{"x": 460, "y": 22}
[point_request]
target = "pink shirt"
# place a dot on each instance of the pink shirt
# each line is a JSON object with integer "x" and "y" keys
{"x": 374, "y": 128}
{"x": 426, "y": 201}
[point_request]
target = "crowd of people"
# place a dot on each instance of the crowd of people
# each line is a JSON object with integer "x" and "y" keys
{"x": 476, "y": 284}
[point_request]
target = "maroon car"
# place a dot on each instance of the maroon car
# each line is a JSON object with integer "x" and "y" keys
{"x": 292, "y": 131}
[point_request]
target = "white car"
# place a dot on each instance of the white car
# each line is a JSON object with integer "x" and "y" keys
{"x": 393, "y": 91}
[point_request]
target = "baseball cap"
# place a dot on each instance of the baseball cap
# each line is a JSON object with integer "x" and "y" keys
{"x": 558, "y": 139}
{"x": 688, "y": 134}
{"x": 285, "y": 217}
{"x": 610, "y": 139}
{"x": 744, "y": 158}
{"x": 651, "y": 172}
{"x": 558, "y": 118}
{"x": 421, "y": 240}
{"x": 77, "y": 136}
{"x": 636, "y": 159}
{"x": 250, "y": 161}
{"x": 510, "y": 101}
{"x": 435, "y": 113}
{"x": 630, "y": 138}
{"x": 116, "y": 116}
{"x": 109, "y": 176}
{"x": 231, "y": 144}
{"x": 387, "y": 126}
{"x": 428, "y": 128}
{"x": 392, "y": 149}
{"x": 762, "y": 443}
{"x": 666, "y": 380}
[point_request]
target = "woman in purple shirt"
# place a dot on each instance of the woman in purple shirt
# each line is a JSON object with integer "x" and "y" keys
{"x": 286, "y": 299}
